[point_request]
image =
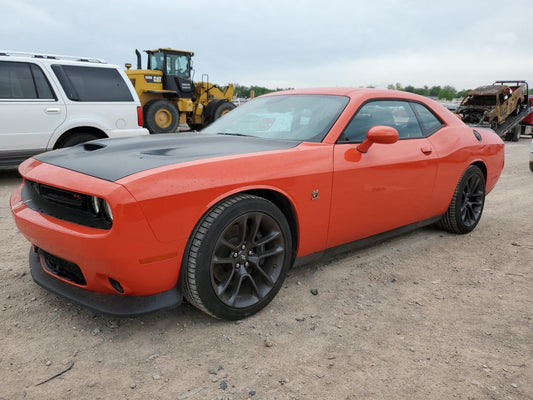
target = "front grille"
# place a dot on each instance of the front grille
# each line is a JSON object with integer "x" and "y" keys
{"x": 62, "y": 268}
{"x": 62, "y": 204}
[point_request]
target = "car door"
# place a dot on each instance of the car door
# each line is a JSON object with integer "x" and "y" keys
{"x": 389, "y": 186}
{"x": 30, "y": 110}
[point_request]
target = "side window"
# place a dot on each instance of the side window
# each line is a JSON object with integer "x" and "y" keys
{"x": 23, "y": 81}
{"x": 44, "y": 91}
{"x": 92, "y": 83}
{"x": 16, "y": 81}
{"x": 397, "y": 114}
{"x": 430, "y": 123}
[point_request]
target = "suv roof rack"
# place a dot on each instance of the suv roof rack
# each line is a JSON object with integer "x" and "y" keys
{"x": 51, "y": 56}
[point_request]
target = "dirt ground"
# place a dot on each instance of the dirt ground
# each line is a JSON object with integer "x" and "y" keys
{"x": 428, "y": 315}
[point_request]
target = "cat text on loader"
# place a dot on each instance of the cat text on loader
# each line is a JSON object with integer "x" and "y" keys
{"x": 169, "y": 96}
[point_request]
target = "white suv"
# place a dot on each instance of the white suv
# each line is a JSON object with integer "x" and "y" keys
{"x": 49, "y": 101}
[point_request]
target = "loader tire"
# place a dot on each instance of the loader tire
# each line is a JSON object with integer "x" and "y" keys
{"x": 161, "y": 116}
{"x": 216, "y": 109}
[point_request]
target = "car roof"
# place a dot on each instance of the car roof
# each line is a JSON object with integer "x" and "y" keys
{"x": 358, "y": 93}
{"x": 488, "y": 90}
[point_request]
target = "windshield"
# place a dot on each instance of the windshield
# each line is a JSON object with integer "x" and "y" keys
{"x": 175, "y": 64}
{"x": 489, "y": 100}
{"x": 289, "y": 117}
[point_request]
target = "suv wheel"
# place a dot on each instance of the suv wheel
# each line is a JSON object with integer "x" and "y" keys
{"x": 77, "y": 138}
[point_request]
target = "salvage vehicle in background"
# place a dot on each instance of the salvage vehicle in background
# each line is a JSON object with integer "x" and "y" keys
{"x": 50, "y": 101}
{"x": 169, "y": 96}
{"x": 128, "y": 226}
{"x": 501, "y": 105}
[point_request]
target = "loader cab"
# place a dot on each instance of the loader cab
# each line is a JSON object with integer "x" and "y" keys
{"x": 176, "y": 66}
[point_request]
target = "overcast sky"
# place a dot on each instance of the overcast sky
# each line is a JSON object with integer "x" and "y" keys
{"x": 292, "y": 43}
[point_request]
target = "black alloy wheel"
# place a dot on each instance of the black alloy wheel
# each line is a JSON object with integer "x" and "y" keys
{"x": 238, "y": 257}
{"x": 467, "y": 203}
{"x": 472, "y": 199}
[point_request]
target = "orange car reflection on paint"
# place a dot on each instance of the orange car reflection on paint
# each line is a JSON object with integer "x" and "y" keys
{"x": 128, "y": 226}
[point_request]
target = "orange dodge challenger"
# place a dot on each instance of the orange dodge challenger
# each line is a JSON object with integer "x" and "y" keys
{"x": 128, "y": 226}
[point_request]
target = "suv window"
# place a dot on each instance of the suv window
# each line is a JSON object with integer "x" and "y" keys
{"x": 397, "y": 114}
{"x": 430, "y": 123}
{"x": 23, "y": 81}
{"x": 92, "y": 83}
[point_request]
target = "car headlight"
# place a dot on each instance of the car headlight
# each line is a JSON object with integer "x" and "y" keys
{"x": 107, "y": 211}
{"x": 100, "y": 207}
{"x": 95, "y": 205}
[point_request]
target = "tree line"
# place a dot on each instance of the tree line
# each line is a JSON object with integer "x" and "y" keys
{"x": 244, "y": 91}
{"x": 445, "y": 92}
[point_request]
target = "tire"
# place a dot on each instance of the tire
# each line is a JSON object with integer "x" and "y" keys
{"x": 161, "y": 116}
{"x": 223, "y": 109}
{"x": 531, "y": 166}
{"x": 77, "y": 138}
{"x": 515, "y": 133}
{"x": 216, "y": 109}
{"x": 237, "y": 257}
{"x": 467, "y": 203}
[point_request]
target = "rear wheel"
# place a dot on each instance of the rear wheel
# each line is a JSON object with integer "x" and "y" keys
{"x": 216, "y": 109}
{"x": 161, "y": 116}
{"x": 223, "y": 109}
{"x": 237, "y": 257}
{"x": 516, "y": 133}
{"x": 467, "y": 203}
{"x": 77, "y": 138}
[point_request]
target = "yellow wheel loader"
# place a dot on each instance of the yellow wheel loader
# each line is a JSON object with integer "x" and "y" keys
{"x": 170, "y": 97}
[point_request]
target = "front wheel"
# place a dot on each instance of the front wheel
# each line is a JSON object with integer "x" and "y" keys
{"x": 237, "y": 257}
{"x": 467, "y": 203}
{"x": 161, "y": 116}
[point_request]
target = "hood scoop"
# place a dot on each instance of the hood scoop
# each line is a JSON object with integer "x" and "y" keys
{"x": 93, "y": 146}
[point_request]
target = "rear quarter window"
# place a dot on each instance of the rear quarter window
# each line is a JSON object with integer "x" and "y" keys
{"x": 429, "y": 121}
{"x": 82, "y": 83}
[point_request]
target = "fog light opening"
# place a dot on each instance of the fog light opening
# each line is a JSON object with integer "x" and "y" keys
{"x": 116, "y": 285}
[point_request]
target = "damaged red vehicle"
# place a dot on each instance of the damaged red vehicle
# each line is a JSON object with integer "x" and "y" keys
{"x": 129, "y": 226}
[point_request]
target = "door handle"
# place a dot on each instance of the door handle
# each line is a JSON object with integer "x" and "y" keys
{"x": 426, "y": 150}
{"x": 52, "y": 110}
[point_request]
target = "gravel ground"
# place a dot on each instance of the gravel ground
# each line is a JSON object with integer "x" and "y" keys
{"x": 428, "y": 315}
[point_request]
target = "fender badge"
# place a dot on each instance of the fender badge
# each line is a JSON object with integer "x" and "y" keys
{"x": 314, "y": 195}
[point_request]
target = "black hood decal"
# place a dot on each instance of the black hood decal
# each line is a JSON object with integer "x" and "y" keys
{"x": 113, "y": 159}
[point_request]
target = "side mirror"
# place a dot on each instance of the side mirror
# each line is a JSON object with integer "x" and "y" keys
{"x": 379, "y": 134}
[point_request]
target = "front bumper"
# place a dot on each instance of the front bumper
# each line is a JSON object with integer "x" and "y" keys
{"x": 113, "y": 304}
{"x": 126, "y": 264}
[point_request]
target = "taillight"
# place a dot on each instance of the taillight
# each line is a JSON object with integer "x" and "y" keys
{"x": 140, "y": 118}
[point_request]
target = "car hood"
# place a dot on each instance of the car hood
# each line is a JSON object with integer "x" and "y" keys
{"x": 113, "y": 159}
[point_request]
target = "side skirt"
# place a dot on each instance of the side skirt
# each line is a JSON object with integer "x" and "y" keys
{"x": 362, "y": 243}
